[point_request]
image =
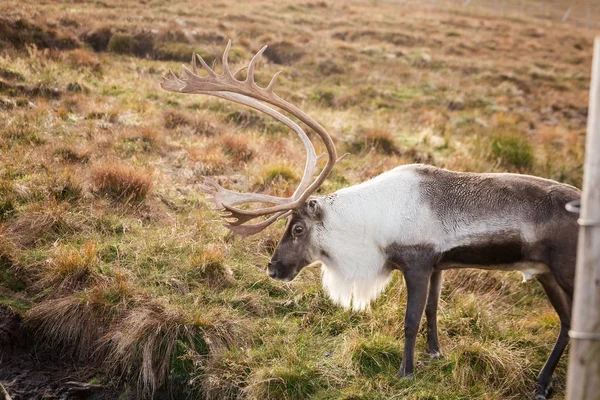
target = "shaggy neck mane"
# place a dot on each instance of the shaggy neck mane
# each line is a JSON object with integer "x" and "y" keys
{"x": 353, "y": 292}
{"x": 353, "y": 270}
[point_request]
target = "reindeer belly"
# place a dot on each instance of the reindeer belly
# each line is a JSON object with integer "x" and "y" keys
{"x": 485, "y": 253}
{"x": 506, "y": 255}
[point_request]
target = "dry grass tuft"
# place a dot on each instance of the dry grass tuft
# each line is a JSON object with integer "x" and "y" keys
{"x": 145, "y": 134}
{"x": 69, "y": 269}
{"x": 225, "y": 375}
{"x": 237, "y": 148}
{"x": 69, "y": 155}
{"x": 212, "y": 159}
{"x": 379, "y": 140}
{"x": 285, "y": 53}
{"x": 82, "y": 59}
{"x": 42, "y": 222}
{"x": 278, "y": 178}
{"x": 279, "y": 173}
{"x": 122, "y": 182}
{"x": 21, "y": 132}
{"x": 7, "y": 252}
{"x": 73, "y": 324}
{"x": 116, "y": 292}
{"x": 21, "y": 32}
{"x": 122, "y": 43}
{"x": 153, "y": 344}
{"x": 173, "y": 51}
{"x": 67, "y": 186}
{"x": 13, "y": 278}
{"x": 294, "y": 381}
{"x": 139, "y": 140}
{"x": 175, "y": 119}
{"x": 8, "y": 200}
{"x": 209, "y": 265}
{"x": 495, "y": 365}
{"x": 98, "y": 38}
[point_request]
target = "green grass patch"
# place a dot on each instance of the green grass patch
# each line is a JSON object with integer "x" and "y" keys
{"x": 292, "y": 382}
{"x": 377, "y": 355}
{"x": 513, "y": 151}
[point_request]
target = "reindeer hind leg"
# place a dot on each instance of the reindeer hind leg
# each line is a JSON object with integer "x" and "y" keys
{"x": 435, "y": 286}
{"x": 561, "y": 303}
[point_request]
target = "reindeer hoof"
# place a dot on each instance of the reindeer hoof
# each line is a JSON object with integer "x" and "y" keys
{"x": 404, "y": 375}
{"x": 434, "y": 355}
{"x": 543, "y": 392}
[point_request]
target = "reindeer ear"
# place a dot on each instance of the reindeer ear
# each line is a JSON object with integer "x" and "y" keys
{"x": 313, "y": 207}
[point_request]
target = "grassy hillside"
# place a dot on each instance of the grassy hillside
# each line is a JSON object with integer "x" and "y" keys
{"x": 120, "y": 268}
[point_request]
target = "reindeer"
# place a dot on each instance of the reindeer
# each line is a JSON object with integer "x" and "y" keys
{"x": 418, "y": 219}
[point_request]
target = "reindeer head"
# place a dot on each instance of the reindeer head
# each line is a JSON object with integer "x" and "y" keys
{"x": 288, "y": 257}
{"x": 298, "y": 246}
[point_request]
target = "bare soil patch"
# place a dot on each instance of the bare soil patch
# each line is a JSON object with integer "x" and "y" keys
{"x": 29, "y": 373}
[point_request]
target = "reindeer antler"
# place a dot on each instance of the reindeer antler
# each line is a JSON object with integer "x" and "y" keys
{"x": 247, "y": 92}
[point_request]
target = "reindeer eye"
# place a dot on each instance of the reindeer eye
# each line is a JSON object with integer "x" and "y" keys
{"x": 298, "y": 229}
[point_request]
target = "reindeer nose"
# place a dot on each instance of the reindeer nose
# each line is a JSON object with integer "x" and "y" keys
{"x": 271, "y": 271}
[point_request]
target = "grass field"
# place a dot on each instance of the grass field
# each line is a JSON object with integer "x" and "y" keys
{"x": 116, "y": 263}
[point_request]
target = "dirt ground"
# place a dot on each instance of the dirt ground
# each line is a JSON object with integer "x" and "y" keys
{"x": 28, "y": 373}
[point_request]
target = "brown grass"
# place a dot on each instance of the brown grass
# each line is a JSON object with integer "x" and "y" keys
{"x": 283, "y": 53}
{"x": 145, "y": 134}
{"x": 237, "y": 147}
{"x": 42, "y": 222}
{"x": 492, "y": 361}
{"x": 69, "y": 155}
{"x": 82, "y": 59}
{"x": 212, "y": 159}
{"x": 146, "y": 343}
{"x": 67, "y": 186}
{"x": 8, "y": 252}
{"x": 69, "y": 269}
{"x": 122, "y": 182}
{"x": 381, "y": 140}
{"x": 210, "y": 264}
{"x": 22, "y": 32}
{"x": 70, "y": 323}
{"x": 175, "y": 119}
{"x": 98, "y": 38}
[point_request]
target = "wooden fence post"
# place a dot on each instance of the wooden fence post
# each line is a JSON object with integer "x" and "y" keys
{"x": 583, "y": 382}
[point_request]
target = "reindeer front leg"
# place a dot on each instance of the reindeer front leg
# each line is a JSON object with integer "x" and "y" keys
{"x": 417, "y": 283}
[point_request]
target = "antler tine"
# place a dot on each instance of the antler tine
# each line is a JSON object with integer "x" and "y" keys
{"x": 252, "y": 66}
{"x": 252, "y": 229}
{"x": 171, "y": 82}
{"x": 236, "y": 73}
{"x": 269, "y": 87}
{"x": 238, "y": 219}
{"x": 194, "y": 65}
{"x": 226, "y": 70}
{"x": 222, "y": 196}
{"x": 174, "y": 76}
{"x": 205, "y": 66}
